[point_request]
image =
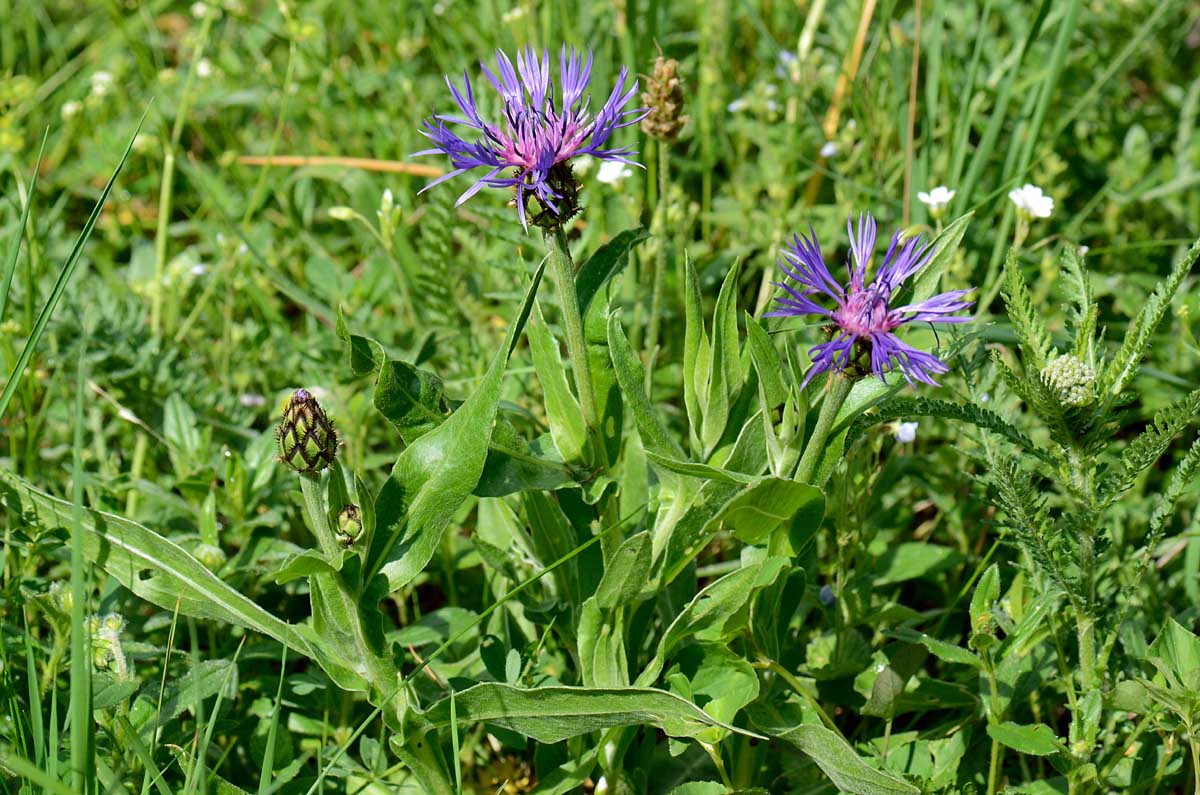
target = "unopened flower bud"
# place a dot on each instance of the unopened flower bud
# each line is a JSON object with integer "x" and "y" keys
{"x": 307, "y": 440}
{"x": 1071, "y": 380}
{"x": 212, "y": 556}
{"x": 664, "y": 97}
{"x": 349, "y": 525}
{"x": 827, "y": 596}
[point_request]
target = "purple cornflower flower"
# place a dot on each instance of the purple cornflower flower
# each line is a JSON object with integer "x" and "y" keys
{"x": 539, "y": 132}
{"x": 863, "y": 322}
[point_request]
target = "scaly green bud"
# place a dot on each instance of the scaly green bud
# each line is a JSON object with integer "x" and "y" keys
{"x": 349, "y": 525}
{"x": 307, "y": 440}
{"x": 1071, "y": 380}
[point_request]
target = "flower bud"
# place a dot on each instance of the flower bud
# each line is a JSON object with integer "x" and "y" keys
{"x": 349, "y": 525}
{"x": 1071, "y": 380}
{"x": 212, "y": 556}
{"x": 664, "y": 97}
{"x": 307, "y": 440}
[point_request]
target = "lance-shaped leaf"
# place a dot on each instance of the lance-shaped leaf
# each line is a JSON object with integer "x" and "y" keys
{"x": 152, "y": 567}
{"x": 553, "y": 714}
{"x": 437, "y": 473}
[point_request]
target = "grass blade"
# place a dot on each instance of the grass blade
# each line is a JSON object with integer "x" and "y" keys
{"x": 10, "y": 267}
{"x": 64, "y": 276}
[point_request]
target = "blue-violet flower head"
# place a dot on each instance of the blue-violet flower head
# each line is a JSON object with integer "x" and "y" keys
{"x": 863, "y": 321}
{"x": 539, "y": 131}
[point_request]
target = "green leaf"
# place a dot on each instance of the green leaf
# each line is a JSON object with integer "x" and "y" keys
{"x": 626, "y": 574}
{"x": 701, "y": 788}
{"x": 152, "y": 567}
{"x": 716, "y": 612}
{"x": 890, "y": 683}
{"x": 914, "y": 559}
{"x": 767, "y": 362}
{"x": 304, "y": 564}
{"x": 1175, "y": 650}
{"x": 203, "y": 681}
{"x": 987, "y": 591}
{"x": 437, "y": 473}
{"x": 554, "y": 714}
{"x": 944, "y": 651}
{"x": 601, "y": 641}
{"x": 1036, "y": 740}
{"x": 562, "y": 409}
{"x": 701, "y": 471}
{"x": 630, "y": 376}
{"x": 945, "y": 247}
{"x": 606, "y": 262}
{"x": 716, "y": 679}
{"x": 695, "y": 345}
{"x": 769, "y": 504}
{"x": 410, "y": 398}
{"x": 845, "y": 768}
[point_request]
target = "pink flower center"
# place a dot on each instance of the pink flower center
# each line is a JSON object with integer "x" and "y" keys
{"x": 865, "y": 312}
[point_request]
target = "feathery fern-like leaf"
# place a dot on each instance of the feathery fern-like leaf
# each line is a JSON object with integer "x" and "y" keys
{"x": 1125, "y": 364}
{"x": 1032, "y": 336}
{"x": 1148, "y": 447}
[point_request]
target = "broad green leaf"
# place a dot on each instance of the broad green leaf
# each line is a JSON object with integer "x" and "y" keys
{"x": 695, "y": 341}
{"x": 914, "y": 559}
{"x": 514, "y": 465}
{"x": 987, "y": 591}
{"x": 562, "y": 408}
{"x": 410, "y": 398}
{"x": 606, "y": 262}
{"x": 845, "y": 768}
{"x": 767, "y": 362}
{"x": 630, "y": 375}
{"x": 724, "y": 379}
{"x": 889, "y": 684}
{"x": 108, "y": 689}
{"x": 944, "y": 651}
{"x": 305, "y": 564}
{"x": 553, "y": 714}
{"x": 437, "y": 473}
{"x": 769, "y": 504}
{"x": 717, "y": 611}
{"x": 701, "y": 788}
{"x": 203, "y": 681}
{"x": 1036, "y": 740}
{"x": 701, "y": 471}
{"x": 601, "y": 640}
{"x": 626, "y": 574}
{"x": 152, "y": 567}
{"x": 1175, "y": 650}
{"x": 364, "y": 355}
{"x": 717, "y": 680}
{"x": 945, "y": 247}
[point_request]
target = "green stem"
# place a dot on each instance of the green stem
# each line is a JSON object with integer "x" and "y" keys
{"x": 568, "y": 301}
{"x": 993, "y": 718}
{"x": 660, "y": 261}
{"x": 835, "y": 396}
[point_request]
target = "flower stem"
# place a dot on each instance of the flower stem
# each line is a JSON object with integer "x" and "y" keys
{"x": 568, "y": 300}
{"x": 835, "y": 396}
{"x": 660, "y": 261}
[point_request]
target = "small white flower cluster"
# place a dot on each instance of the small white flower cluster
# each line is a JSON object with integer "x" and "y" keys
{"x": 1031, "y": 202}
{"x": 1071, "y": 380}
{"x": 613, "y": 172}
{"x": 937, "y": 200}
{"x": 102, "y": 84}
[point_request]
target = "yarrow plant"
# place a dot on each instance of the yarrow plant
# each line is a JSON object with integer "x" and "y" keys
{"x": 863, "y": 322}
{"x": 539, "y": 132}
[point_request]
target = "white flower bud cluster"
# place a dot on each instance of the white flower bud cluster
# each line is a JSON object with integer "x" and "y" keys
{"x": 1070, "y": 379}
{"x": 105, "y": 634}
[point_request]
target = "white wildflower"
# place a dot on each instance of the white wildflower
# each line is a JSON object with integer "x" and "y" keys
{"x": 204, "y": 69}
{"x": 905, "y": 432}
{"x": 829, "y": 149}
{"x": 937, "y": 200}
{"x": 1031, "y": 202}
{"x": 102, "y": 83}
{"x": 613, "y": 172}
{"x": 738, "y": 105}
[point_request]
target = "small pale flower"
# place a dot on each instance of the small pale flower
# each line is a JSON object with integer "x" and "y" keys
{"x": 613, "y": 172}
{"x": 199, "y": 269}
{"x": 542, "y": 128}
{"x": 102, "y": 83}
{"x": 70, "y": 109}
{"x": 1031, "y": 202}
{"x": 738, "y": 105}
{"x": 829, "y": 149}
{"x": 204, "y": 69}
{"x": 827, "y": 596}
{"x": 937, "y": 200}
{"x": 199, "y": 10}
{"x": 905, "y": 432}
{"x": 252, "y": 400}
{"x": 862, "y": 325}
